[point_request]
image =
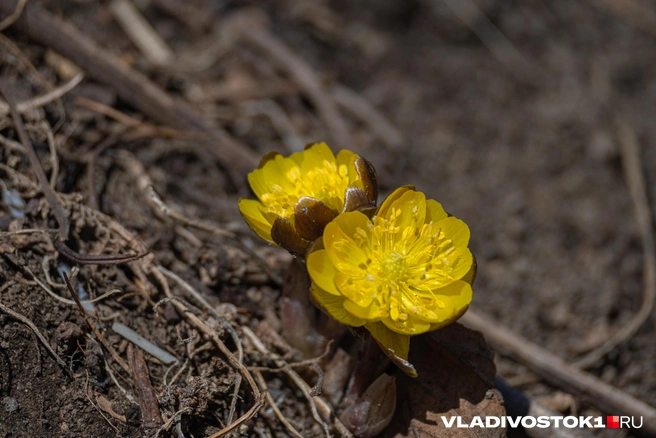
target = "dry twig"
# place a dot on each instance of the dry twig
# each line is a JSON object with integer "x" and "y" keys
{"x": 293, "y": 376}
{"x": 361, "y": 109}
{"x": 116, "y": 259}
{"x": 53, "y": 200}
{"x": 300, "y": 71}
{"x": 498, "y": 44}
{"x": 259, "y": 403}
{"x": 147, "y": 394}
{"x": 276, "y": 410}
{"x": 145, "y": 129}
{"x": 633, "y": 12}
{"x": 65, "y": 300}
{"x": 144, "y": 184}
{"x": 141, "y": 33}
{"x": 39, "y": 101}
{"x": 197, "y": 323}
{"x": 17, "y": 316}
{"x": 226, "y": 324}
{"x": 94, "y": 329}
{"x": 11, "y": 19}
{"x": 635, "y": 180}
{"x": 97, "y": 408}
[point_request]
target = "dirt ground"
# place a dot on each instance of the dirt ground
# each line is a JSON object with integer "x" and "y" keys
{"x": 512, "y": 114}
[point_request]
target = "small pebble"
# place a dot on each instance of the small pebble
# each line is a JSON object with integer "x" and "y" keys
{"x": 11, "y": 404}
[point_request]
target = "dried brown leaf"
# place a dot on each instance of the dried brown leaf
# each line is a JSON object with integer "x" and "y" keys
{"x": 456, "y": 378}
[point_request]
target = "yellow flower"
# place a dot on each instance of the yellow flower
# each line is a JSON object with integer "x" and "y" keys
{"x": 300, "y": 194}
{"x": 404, "y": 272}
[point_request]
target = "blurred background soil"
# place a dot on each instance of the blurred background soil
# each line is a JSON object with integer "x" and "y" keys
{"x": 506, "y": 113}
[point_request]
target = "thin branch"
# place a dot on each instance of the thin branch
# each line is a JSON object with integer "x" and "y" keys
{"x": 276, "y": 410}
{"x": 39, "y": 101}
{"x": 11, "y": 19}
{"x": 499, "y": 45}
{"x": 362, "y": 109}
{"x": 197, "y": 323}
{"x": 635, "y": 180}
{"x": 259, "y": 403}
{"x": 141, "y": 33}
{"x": 94, "y": 329}
{"x": 66, "y": 300}
{"x": 226, "y": 324}
{"x": 51, "y": 196}
{"x": 300, "y": 71}
{"x": 147, "y": 394}
{"x": 293, "y": 375}
{"x": 38, "y": 334}
{"x": 109, "y": 259}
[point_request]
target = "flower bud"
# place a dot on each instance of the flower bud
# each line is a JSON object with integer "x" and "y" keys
{"x": 373, "y": 411}
{"x": 300, "y": 194}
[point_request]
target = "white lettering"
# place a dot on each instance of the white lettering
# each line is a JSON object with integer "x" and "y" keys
{"x": 515, "y": 423}
{"x": 489, "y": 420}
{"x": 570, "y": 422}
{"x": 633, "y": 423}
{"x": 448, "y": 421}
{"x": 527, "y": 420}
{"x": 477, "y": 422}
{"x": 585, "y": 421}
{"x": 460, "y": 423}
{"x": 543, "y": 422}
{"x": 625, "y": 420}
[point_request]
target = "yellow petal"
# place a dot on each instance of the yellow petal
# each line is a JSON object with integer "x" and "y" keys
{"x": 257, "y": 183}
{"x": 440, "y": 306}
{"x": 412, "y": 326}
{"x": 321, "y": 152}
{"x": 434, "y": 211}
{"x": 370, "y": 312}
{"x": 277, "y": 173}
{"x": 297, "y": 157}
{"x": 409, "y": 213}
{"x": 461, "y": 261}
{"x": 344, "y": 252}
{"x": 361, "y": 293}
{"x": 424, "y": 307}
{"x": 356, "y": 225}
{"x": 471, "y": 275}
{"x": 387, "y": 339}
{"x": 383, "y": 210}
{"x": 251, "y": 211}
{"x": 347, "y": 158}
{"x": 289, "y": 168}
{"x": 459, "y": 294}
{"x": 333, "y": 306}
{"x": 454, "y": 229}
{"x": 345, "y": 161}
{"x": 322, "y": 271}
{"x": 316, "y": 156}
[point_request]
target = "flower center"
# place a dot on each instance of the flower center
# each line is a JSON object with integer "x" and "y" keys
{"x": 393, "y": 267}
